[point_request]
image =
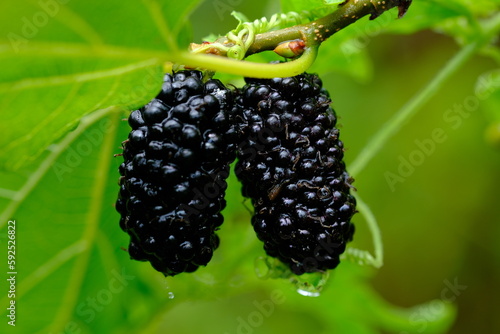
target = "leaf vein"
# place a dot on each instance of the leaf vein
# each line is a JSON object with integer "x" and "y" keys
{"x": 46, "y": 120}
{"x": 89, "y": 235}
{"x": 48, "y": 162}
{"x": 73, "y": 78}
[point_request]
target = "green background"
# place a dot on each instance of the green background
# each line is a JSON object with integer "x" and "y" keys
{"x": 440, "y": 220}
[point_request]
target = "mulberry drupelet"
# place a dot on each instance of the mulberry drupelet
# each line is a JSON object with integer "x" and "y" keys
{"x": 290, "y": 165}
{"x": 176, "y": 161}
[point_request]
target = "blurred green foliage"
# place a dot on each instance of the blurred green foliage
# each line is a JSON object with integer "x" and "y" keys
{"x": 62, "y": 60}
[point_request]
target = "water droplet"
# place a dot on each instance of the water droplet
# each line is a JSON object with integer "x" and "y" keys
{"x": 236, "y": 281}
{"x": 262, "y": 269}
{"x": 310, "y": 285}
{"x": 267, "y": 267}
{"x": 308, "y": 293}
{"x": 205, "y": 278}
{"x": 171, "y": 295}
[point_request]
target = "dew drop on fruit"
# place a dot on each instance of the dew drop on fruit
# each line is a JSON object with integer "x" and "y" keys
{"x": 310, "y": 285}
{"x": 262, "y": 267}
{"x": 308, "y": 293}
{"x": 170, "y": 294}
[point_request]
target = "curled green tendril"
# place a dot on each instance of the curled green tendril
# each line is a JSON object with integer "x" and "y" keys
{"x": 248, "y": 37}
{"x": 243, "y": 36}
{"x": 236, "y": 52}
{"x": 238, "y": 41}
{"x": 241, "y": 39}
{"x": 278, "y": 21}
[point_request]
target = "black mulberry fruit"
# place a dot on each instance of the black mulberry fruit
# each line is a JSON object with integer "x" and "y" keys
{"x": 176, "y": 161}
{"x": 290, "y": 165}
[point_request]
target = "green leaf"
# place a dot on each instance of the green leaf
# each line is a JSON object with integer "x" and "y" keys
{"x": 428, "y": 14}
{"x": 347, "y": 51}
{"x": 458, "y": 18}
{"x": 347, "y": 56}
{"x": 63, "y": 61}
{"x": 55, "y": 203}
{"x": 43, "y": 109}
{"x": 319, "y": 7}
{"x": 240, "y": 17}
{"x": 66, "y": 84}
{"x": 479, "y": 8}
{"x": 487, "y": 84}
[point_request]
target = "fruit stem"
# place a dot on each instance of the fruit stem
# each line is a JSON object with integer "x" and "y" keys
{"x": 246, "y": 68}
{"x": 313, "y": 34}
{"x": 319, "y": 30}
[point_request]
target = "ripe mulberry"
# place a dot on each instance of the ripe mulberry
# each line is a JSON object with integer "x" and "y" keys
{"x": 290, "y": 165}
{"x": 173, "y": 178}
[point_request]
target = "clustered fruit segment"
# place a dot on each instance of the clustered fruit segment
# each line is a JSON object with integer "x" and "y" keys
{"x": 178, "y": 151}
{"x": 290, "y": 165}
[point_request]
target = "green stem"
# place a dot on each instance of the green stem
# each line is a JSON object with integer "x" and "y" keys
{"x": 246, "y": 68}
{"x": 371, "y": 221}
{"x": 319, "y": 30}
{"x": 492, "y": 25}
{"x": 409, "y": 109}
{"x": 490, "y": 30}
{"x": 312, "y": 33}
